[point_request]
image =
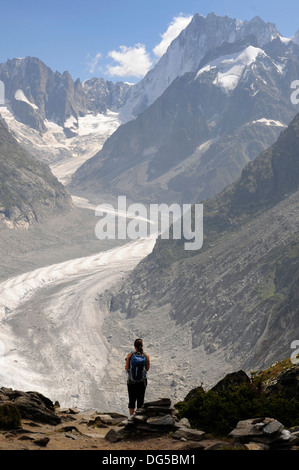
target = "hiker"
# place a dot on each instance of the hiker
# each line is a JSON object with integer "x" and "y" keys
{"x": 137, "y": 365}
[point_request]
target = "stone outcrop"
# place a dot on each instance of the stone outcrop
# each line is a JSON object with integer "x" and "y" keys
{"x": 31, "y": 405}
{"x": 29, "y": 192}
{"x": 286, "y": 383}
{"x": 157, "y": 417}
{"x": 265, "y": 434}
{"x": 231, "y": 380}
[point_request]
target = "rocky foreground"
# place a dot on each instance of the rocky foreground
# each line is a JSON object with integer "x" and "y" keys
{"x": 45, "y": 426}
{"x": 31, "y": 421}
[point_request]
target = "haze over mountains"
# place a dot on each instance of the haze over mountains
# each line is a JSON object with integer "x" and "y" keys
{"x": 211, "y": 122}
{"x": 217, "y": 97}
{"x": 232, "y": 103}
{"x": 239, "y": 294}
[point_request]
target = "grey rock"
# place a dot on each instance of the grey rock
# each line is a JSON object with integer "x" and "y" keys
{"x": 267, "y": 432}
{"x": 140, "y": 418}
{"x": 116, "y": 435}
{"x": 231, "y": 380}
{"x": 154, "y": 410}
{"x": 193, "y": 445}
{"x": 273, "y": 427}
{"x": 106, "y": 419}
{"x": 246, "y": 429}
{"x": 166, "y": 420}
{"x": 42, "y": 442}
{"x": 189, "y": 434}
{"x": 184, "y": 422}
{"x": 162, "y": 402}
{"x": 33, "y": 405}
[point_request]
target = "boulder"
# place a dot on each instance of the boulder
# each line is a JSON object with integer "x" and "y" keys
{"x": 116, "y": 434}
{"x": 184, "y": 422}
{"x": 286, "y": 383}
{"x": 267, "y": 432}
{"x": 189, "y": 434}
{"x": 163, "y": 402}
{"x": 166, "y": 420}
{"x": 231, "y": 380}
{"x": 42, "y": 442}
{"x": 193, "y": 393}
{"x": 31, "y": 405}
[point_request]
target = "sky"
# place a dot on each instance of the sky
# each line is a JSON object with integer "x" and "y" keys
{"x": 119, "y": 40}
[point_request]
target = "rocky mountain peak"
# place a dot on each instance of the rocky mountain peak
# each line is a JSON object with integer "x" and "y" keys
{"x": 29, "y": 192}
{"x": 295, "y": 38}
{"x": 202, "y": 36}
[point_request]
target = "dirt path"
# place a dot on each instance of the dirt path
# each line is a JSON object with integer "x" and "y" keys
{"x": 78, "y": 432}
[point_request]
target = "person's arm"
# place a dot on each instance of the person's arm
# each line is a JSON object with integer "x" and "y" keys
{"x": 147, "y": 362}
{"x": 127, "y": 366}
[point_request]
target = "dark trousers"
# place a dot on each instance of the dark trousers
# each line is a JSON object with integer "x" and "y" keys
{"x": 136, "y": 393}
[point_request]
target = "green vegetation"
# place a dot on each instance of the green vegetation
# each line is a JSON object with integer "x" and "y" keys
{"x": 267, "y": 289}
{"x": 10, "y": 417}
{"x": 264, "y": 376}
{"x": 218, "y": 412}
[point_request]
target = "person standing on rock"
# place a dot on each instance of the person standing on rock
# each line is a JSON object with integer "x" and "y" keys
{"x": 137, "y": 366}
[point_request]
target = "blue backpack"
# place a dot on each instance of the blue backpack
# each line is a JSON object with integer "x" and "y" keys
{"x": 137, "y": 371}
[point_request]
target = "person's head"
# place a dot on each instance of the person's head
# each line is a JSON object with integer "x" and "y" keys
{"x": 138, "y": 344}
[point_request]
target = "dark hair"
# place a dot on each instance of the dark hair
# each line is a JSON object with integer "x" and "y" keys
{"x": 139, "y": 345}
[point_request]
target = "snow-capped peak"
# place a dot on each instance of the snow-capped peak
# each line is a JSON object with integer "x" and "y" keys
{"x": 188, "y": 49}
{"x": 231, "y": 67}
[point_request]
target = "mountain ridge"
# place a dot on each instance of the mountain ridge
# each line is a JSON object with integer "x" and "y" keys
{"x": 29, "y": 192}
{"x": 186, "y": 145}
{"x": 54, "y": 117}
{"x": 239, "y": 293}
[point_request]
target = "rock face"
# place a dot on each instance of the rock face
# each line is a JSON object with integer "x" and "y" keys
{"x": 31, "y": 405}
{"x": 285, "y": 384}
{"x": 35, "y": 93}
{"x": 29, "y": 191}
{"x": 267, "y": 432}
{"x": 216, "y": 114}
{"x": 55, "y": 117}
{"x": 103, "y": 95}
{"x": 197, "y": 42}
{"x": 239, "y": 293}
{"x": 230, "y": 380}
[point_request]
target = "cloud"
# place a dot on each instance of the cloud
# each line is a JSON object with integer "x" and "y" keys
{"x": 176, "y": 26}
{"x": 130, "y": 61}
{"x": 92, "y": 62}
{"x": 135, "y": 61}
